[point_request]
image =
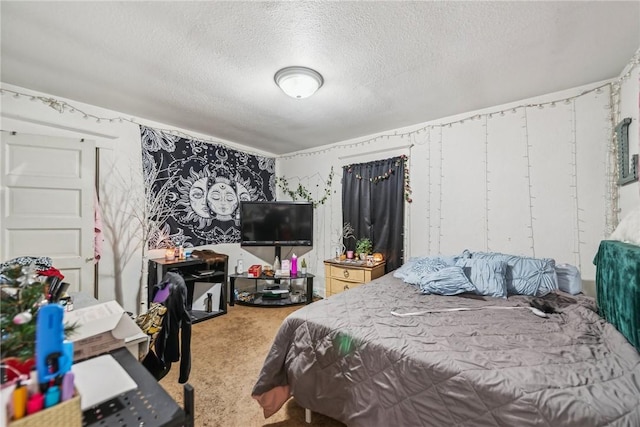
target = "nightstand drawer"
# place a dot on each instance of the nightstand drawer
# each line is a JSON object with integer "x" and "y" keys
{"x": 338, "y": 285}
{"x": 347, "y": 274}
{"x": 340, "y": 277}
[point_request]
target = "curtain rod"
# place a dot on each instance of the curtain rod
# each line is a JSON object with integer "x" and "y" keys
{"x": 402, "y": 147}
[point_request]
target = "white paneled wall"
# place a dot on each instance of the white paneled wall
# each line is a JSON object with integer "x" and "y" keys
{"x": 529, "y": 181}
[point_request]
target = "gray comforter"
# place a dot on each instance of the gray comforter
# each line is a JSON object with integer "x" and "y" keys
{"x": 350, "y": 358}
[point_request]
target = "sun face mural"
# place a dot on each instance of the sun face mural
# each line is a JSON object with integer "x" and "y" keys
{"x": 210, "y": 182}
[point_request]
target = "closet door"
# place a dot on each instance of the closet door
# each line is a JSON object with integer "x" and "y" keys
{"x": 47, "y": 194}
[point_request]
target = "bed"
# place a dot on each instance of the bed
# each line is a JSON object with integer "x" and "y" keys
{"x": 386, "y": 354}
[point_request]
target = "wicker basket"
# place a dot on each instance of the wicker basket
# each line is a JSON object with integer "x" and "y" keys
{"x": 66, "y": 414}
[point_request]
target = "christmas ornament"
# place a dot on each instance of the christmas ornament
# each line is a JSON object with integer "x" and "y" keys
{"x": 22, "y": 318}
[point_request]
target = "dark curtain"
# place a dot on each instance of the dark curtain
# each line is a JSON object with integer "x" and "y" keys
{"x": 373, "y": 203}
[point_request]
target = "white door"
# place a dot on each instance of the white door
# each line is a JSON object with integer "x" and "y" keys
{"x": 47, "y": 194}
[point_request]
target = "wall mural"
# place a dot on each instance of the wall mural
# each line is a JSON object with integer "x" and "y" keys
{"x": 203, "y": 185}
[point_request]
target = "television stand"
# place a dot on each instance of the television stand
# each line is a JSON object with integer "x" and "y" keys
{"x": 269, "y": 291}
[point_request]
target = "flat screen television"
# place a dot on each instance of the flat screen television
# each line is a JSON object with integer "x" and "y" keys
{"x": 276, "y": 224}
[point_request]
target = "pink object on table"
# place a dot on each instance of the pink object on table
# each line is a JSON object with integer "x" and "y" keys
{"x": 294, "y": 265}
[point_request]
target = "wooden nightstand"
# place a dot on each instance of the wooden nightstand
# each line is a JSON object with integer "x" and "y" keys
{"x": 340, "y": 276}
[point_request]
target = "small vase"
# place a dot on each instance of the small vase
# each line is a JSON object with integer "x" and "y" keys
{"x": 363, "y": 256}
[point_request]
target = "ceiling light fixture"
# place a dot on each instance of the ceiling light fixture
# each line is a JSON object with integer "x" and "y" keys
{"x": 298, "y": 82}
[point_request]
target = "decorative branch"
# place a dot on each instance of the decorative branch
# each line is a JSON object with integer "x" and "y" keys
{"x": 303, "y": 193}
{"x": 134, "y": 217}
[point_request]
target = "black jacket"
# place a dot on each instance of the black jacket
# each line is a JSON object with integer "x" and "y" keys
{"x": 177, "y": 321}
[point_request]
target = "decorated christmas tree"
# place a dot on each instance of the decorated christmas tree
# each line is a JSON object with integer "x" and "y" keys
{"x": 24, "y": 289}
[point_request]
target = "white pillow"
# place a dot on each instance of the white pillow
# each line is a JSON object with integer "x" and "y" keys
{"x": 629, "y": 228}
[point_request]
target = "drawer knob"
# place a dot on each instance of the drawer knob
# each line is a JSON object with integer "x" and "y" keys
{"x": 346, "y": 288}
{"x": 345, "y": 273}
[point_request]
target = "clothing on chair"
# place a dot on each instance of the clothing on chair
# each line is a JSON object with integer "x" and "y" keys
{"x": 173, "y": 343}
{"x": 151, "y": 322}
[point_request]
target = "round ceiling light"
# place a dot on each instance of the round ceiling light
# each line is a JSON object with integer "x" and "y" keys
{"x": 298, "y": 82}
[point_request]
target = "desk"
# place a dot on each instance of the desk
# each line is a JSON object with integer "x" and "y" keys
{"x": 148, "y": 405}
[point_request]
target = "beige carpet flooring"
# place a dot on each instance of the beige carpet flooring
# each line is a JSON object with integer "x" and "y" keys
{"x": 227, "y": 354}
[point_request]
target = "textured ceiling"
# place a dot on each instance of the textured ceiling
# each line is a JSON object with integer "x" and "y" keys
{"x": 208, "y": 66}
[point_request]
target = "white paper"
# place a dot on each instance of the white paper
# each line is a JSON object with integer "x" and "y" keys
{"x": 100, "y": 379}
{"x": 94, "y": 319}
{"x": 104, "y": 327}
{"x": 276, "y": 291}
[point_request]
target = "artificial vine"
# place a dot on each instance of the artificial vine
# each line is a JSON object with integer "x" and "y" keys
{"x": 399, "y": 161}
{"x": 302, "y": 193}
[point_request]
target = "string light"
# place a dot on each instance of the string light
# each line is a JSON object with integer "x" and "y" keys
{"x": 529, "y": 186}
{"x": 611, "y": 166}
{"x": 62, "y": 106}
{"x": 486, "y": 186}
{"x": 302, "y": 192}
{"x": 440, "y": 185}
{"x": 574, "y": 184}
{"x": 502, "y": 112}
{"x": 430, "y": 188}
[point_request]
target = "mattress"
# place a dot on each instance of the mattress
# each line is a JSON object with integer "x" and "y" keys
{"x": 491, "y": 364}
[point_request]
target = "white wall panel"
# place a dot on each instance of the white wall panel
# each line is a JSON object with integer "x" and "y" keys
{"x": 550, "y": 156}
{"x": 463, "y": 187}
{"x": 508, "y": 186}
{"x": 431, "y": 191}
{"x": 592, "y": 138}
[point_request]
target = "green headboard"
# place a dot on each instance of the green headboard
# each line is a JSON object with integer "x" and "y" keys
{"x": 618, "y": 287}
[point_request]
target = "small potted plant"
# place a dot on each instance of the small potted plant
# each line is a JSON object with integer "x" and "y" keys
{"x": 364, "y": 246}
{"x": 303, "y": 267}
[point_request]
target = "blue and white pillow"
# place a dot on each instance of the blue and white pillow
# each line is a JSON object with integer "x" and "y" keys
{"x": 488, "y": 276}
{"x": 525, "y": 276}
{"x": 446, "y": 281}
{"x": 417, "y": 267}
